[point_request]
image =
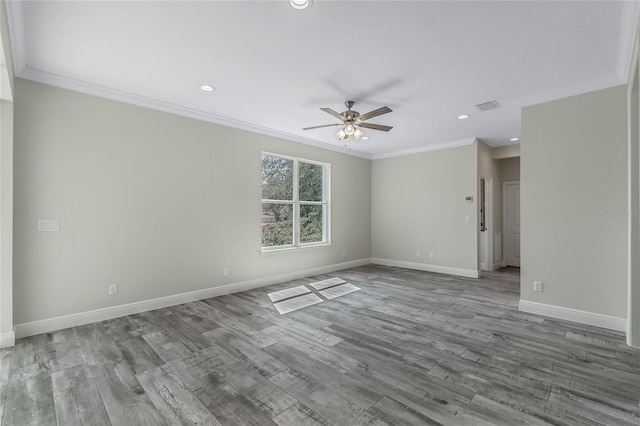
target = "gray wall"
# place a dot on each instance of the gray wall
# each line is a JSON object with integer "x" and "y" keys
{"x": 633, "y": 302}
{"x": 6, "y": 184}
{"x": 6, "y": 44}
{"x": 574, "y": 202}
{"x": 507, "y": 151}
{"x": 418, "y": 204}
{"x": 510, "y": 169}
{"x": 154, "y": 202}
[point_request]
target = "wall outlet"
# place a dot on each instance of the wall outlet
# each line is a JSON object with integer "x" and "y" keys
{"x": 48, "y": 225}
{"x": 466, "y": 219}
{"x": 537, "y": 286}
{"x": 113, "y": 289}
{"x": 431, "y": 255}
{"x": 344, "y": 253}
{"x": 225, "y": 272}
{"x": 418, "y": 253}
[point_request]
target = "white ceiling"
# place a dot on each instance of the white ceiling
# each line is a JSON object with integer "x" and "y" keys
{"x": 274, "y": 66}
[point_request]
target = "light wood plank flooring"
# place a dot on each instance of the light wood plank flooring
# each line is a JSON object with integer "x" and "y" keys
{"x": 409, "y": 348}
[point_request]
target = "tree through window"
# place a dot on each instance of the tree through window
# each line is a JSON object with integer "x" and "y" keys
{"x": 295, "y": 194}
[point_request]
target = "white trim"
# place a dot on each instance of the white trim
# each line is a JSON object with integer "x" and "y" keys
{"x": 444, "y": 145}
{"x": 504, "y": 219}
{"x": 470, "y": 273}
{"x": 633, "y": 312}
{"x": 73, "y": 320}
{"x": 608, "y": 82}
{"x": 499, "y": 264}
{"x": 630, "y": 13}
{"x": 134, "y": 99}
{"x": 488, "y": 219}
{"x": 15, "y": 16}
{"x": 7, "y": 339}
{"x": 293, "y": 249}
{"x": 575, "y": 315}
{"x": 297, "y": 204}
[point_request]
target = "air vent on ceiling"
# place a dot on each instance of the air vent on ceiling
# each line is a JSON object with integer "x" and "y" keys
{"x": 487, "y": 106}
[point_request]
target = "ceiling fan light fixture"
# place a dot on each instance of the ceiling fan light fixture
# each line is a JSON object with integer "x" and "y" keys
{"x": 358, "y": 134}
{"x": 349, "y": 129}
{"x": 342, "y": 135}
{"x": 299, "y": 4}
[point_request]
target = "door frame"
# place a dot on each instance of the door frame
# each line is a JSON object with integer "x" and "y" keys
{"x": 488, "y": 223}
{"x": 504, "y": 219}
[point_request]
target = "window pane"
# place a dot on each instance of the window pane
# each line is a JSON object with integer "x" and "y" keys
{"x": 277, "y": 224}
{"x": 310, "y": 181}
{"x": 277, "y": 178}
{"x": 311, "y": 223}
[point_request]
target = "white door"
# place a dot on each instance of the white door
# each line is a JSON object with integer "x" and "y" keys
{"x": 512, "y": 235}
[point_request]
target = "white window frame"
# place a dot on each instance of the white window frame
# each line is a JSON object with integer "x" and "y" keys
{"x": 296, "y": 203}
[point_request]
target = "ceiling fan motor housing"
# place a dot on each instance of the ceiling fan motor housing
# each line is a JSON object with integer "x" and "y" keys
{"x": 351, "y": 115}
{"x": 348, "y": 114}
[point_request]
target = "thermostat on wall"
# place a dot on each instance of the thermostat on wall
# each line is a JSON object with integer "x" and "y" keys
{"x": 469, "y": 199}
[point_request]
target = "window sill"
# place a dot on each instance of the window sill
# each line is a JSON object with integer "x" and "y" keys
{"x": 295, "y": 248}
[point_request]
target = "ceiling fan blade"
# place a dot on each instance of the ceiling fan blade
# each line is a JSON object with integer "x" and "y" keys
{"x": 324, "y": 125}
{"x": 375, "y": 113}
{"x": 375, "y": 126}
{"x": 332, "y": 112}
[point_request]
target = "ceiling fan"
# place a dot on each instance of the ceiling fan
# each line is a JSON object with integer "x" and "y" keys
{"x": 351, "y": 120}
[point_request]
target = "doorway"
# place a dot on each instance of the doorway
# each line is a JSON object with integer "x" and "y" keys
{"x": 512, "y": 223}
{"x": 485, "y": 214}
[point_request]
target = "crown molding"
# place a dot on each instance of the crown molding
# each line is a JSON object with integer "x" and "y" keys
{"x": 133, "y": 99}
{"x": 15, "y": 16}
{"x": 628, "y": 29}
{"x": 436, "y": 147}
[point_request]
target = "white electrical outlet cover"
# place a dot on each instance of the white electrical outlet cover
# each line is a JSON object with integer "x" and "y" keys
{"x": 48, "y": 225}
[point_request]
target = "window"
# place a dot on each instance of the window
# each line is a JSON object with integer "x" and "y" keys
{"x": 295, "y": 202}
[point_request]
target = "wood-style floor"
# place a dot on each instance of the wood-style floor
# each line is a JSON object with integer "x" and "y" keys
{"x": 409, "y": 348}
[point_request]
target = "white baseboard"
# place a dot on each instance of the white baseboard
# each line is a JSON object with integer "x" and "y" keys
{"x": 498, "y": 265}
{"x": 470, "y": 273}
{"x": 632, "y": 340}
{"x": 7, "y": 339}
{"x": 73, "y": 320}
{"x": 575, "y": 315}
{"x": 630, "y": 337}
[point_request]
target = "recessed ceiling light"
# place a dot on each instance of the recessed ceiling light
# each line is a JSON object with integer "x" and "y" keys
{"x": 299, "y": 4}
{"x": 463, "y": 116}
{"x": 365, "y": 137}
{"x": 514, "y": 139}
{"x": 207, "y": 88}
